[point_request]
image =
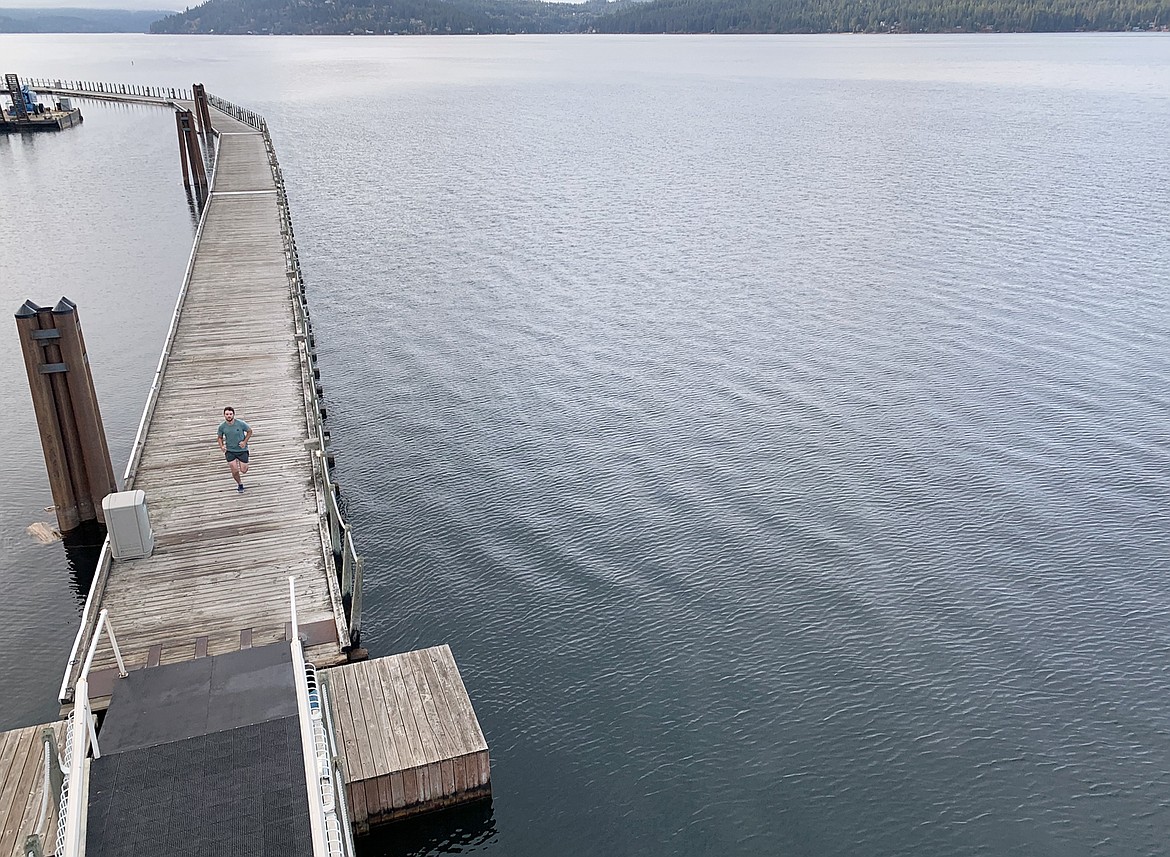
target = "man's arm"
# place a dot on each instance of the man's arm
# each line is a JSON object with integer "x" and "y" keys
{"x": 219, "y": 440}
{"x": 247, "y": 435}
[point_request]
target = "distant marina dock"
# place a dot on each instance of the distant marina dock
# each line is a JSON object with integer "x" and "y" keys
{"x": 239, "y": 632}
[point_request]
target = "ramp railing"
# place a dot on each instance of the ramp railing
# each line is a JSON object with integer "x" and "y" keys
{"x": 82, "y": 738}
{"x": 328, "y": 818}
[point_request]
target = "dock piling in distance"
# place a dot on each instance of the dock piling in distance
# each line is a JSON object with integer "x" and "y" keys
{"x": 204, "y": 112}
{"x": 182, "y": 148}
{"x": 68, "y": 419}
{"x": 189, "y": 144}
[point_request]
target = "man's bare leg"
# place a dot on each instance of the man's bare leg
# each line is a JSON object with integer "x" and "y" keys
{"x": 235, "y": 466}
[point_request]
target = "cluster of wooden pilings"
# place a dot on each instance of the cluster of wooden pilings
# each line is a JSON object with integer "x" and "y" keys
{"x": 192, "y": 125}
{"x": 66, "y": 406}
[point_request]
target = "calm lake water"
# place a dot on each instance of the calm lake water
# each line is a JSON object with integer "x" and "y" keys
{"x": 774, "y": 427}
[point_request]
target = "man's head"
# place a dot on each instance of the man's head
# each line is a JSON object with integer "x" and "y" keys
{"x": 229, "y": 414}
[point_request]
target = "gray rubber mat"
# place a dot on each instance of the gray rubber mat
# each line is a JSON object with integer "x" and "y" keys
{"x": 178, "y": 701}
{"x": 234, "y": 792}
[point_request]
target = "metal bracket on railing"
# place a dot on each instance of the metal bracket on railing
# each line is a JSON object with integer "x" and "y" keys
{"x": 104, "y": 619}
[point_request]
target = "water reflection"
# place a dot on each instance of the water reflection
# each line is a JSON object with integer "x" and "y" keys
{"x": 451, "y": 831}
{"x": 194, "y": 205}
{"x": 82, "y": 548}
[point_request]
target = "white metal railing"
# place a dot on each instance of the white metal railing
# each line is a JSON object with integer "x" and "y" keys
{"x": 118, "y": 90}
{"x": 67, "y": 764}
{"x": 82, "y": 739}
{"x": 338, "y": 774}
{"x": 326, "y": 825}
{"x": 238, "y": 113}
{"x": 349, "y": 563}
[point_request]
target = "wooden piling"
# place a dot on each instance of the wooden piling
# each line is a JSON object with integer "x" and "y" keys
{"x": 56, "y": 368}
{"x": 182, "y": 148}
{"x": 201, "y": 107}
{"x": 194, "y": 154}
{"x": 94, "y": 447}
{"x": 48, "y": 424}
{"x": 77, "y": 455}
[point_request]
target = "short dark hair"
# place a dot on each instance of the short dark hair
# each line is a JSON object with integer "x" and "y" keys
{"x": 229, "y": 408}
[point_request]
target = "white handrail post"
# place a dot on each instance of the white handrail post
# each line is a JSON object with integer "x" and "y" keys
{"x": 346, "y": 561}
{"x": 292, "y": 598}
{"x": 97, "y": 635}
{"x": 92, "y": 721}
{"x": 114, "y": 643}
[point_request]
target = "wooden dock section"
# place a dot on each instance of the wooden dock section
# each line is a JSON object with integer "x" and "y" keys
{"x": 410, "y": 739}
{"x": 217, "y": 580}
{"x": 396, "y": 736}
{"x": 22, "y": 778}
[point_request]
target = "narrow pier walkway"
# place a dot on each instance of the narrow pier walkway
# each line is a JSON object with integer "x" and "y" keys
{"x": 220, "y": 735}
{"x": 217, "y": 579}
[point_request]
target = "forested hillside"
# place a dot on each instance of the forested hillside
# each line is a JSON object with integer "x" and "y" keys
{"x": 395, "y": 16}
{"x": 869, "y": 16}
{"x": 665, "y": 16}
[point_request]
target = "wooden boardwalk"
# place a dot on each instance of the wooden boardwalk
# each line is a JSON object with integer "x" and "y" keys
{"x": 217, "y": 579}
{"x": 22, "y": 776}
{"x": 409, "y": 737}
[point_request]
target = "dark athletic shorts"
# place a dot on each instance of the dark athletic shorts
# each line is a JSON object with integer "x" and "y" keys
{"x": 236, "y": 456}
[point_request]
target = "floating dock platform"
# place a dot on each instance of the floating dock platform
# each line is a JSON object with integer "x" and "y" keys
{"x": 409, "y": 737}
{"x": 50, "y": 120}
{"x": 26, "y": 115}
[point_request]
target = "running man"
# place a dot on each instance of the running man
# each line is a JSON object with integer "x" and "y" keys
{"x": 233, "y": 440}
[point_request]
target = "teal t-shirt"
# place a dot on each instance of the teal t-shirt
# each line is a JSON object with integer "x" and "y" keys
{"x": 232, "y": 433}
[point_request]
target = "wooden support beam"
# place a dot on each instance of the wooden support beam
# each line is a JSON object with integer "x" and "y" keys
{"x": 202, "y": 109}
{"x": 45, "y": 408}
{"x": 182, "y": 148}
{"x": 87, "y": 415}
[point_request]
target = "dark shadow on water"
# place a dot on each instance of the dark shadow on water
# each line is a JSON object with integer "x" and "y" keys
{"x": 83, "y": 546}
{"x": 451, "y": 831}
{"x": 194, "y": 206}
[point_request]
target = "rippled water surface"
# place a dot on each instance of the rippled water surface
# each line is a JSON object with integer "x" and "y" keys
{"x": 775, "y": 428}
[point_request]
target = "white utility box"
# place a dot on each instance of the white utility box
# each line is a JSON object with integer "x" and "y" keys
{"x": 128, "y": 524}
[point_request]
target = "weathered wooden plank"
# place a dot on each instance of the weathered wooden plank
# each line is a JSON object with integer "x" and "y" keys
{"x": 374, "y": 759}
{"x": 438, "y": 715}
{"x": 17, "y": 758}
{"x": 20, "y": 782}
{"x": 457, "y": 698}
{"x": 403, "y": 756}
{"x": 28, "y": 825}
{"x": 373, "y": 712}
{"x": 351, "y": 753}
{"x": 415, "y": 773}
{"x": 465, "y": 777}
